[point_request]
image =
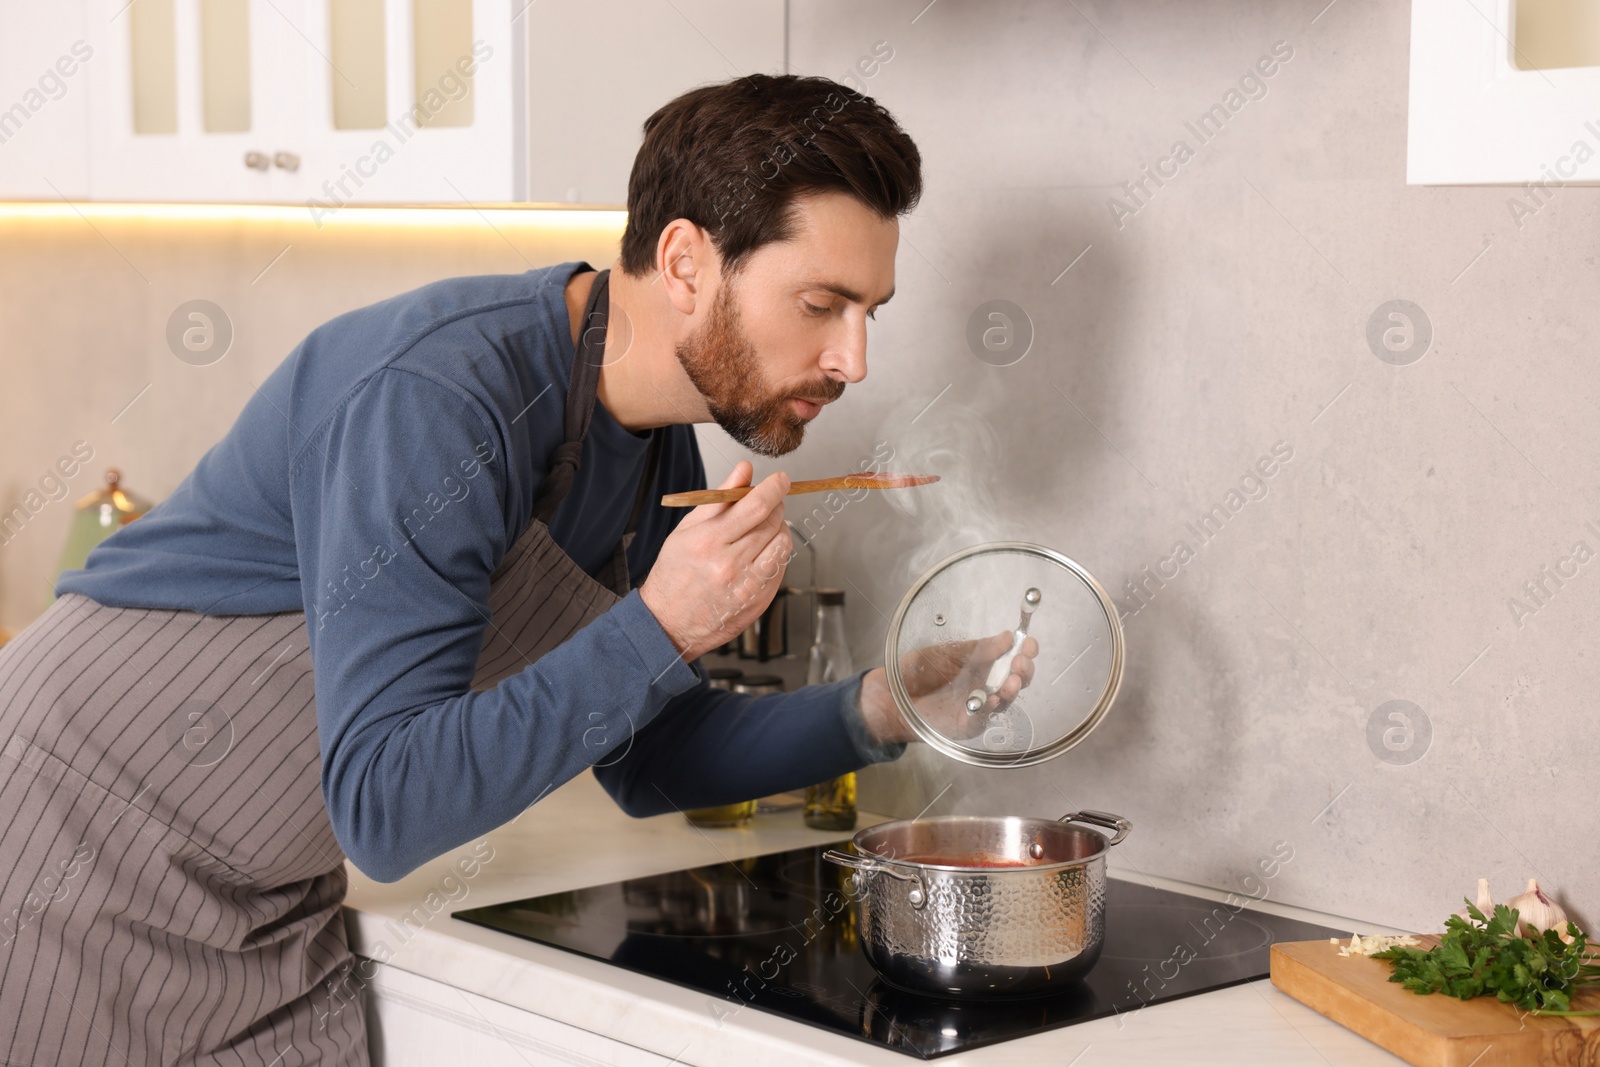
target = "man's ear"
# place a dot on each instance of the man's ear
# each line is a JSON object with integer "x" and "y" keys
{"x": 683, "y": 252}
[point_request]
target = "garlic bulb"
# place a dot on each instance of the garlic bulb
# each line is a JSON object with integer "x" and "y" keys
{"x": 1537, "y": 912}
{"x": 1485, "y": 902}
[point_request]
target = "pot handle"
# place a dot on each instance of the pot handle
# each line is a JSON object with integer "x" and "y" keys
{"x": 918, "y": 895}
{"x": 1099, "y": 818}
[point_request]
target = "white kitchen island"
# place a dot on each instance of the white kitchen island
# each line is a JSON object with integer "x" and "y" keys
{"x": 456, "y": 993}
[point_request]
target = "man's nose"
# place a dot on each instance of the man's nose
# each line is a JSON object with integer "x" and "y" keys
{"x": 846, "y": 361}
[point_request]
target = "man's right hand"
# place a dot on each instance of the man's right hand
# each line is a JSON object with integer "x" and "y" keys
{"x": 721, "y": 567}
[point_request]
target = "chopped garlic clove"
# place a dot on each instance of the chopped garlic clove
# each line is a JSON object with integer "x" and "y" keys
{"x": 1366, "y": 946}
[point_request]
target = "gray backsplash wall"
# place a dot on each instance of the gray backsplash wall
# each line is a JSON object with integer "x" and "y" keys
{"x": 1220, "y": 315}
{"x": 1225, "y": 316}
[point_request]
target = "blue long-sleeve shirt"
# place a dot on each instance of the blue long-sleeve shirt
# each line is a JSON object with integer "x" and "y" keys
{"x": 375, "y": 481}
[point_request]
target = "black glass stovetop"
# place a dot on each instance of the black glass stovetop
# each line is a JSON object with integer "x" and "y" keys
{"x": 779, "y": 933}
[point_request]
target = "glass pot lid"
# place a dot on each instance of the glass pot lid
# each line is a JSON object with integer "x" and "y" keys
{"x": 960, "y": 626}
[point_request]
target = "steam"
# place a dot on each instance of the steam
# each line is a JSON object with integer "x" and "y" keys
{"x": 956, "y": 443}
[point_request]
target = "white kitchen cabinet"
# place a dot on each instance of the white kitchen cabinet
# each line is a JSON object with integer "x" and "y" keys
{"x": 45, "y": 62}
{"x": 320, "y": 102}
{"x": 171, "y": 120}
{"x": 414, "y": 1021}
{"x": 412, "y": 102}
{"x": 1504, "y": 92}
{"x": 333, "y": 102}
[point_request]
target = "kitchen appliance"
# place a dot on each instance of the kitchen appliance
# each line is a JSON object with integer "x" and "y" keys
{"x": 767, "y": 636}
{"x": 1433, "y": 1030}
{"x": 966, "y": 905}
{"x": 781, "y": 934}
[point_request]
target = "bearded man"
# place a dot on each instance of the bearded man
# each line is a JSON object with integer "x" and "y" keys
{"x": 425, "y": 578}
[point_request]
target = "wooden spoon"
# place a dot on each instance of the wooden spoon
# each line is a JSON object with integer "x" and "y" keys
{"x": 819, "y": 485}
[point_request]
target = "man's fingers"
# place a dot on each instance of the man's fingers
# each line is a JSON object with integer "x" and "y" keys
{"x": 752, "y": 540}
{"x": 757, "y": 506}
{"x": 773, "y": 556}
{"x": 737, "y": 478}
{"x": 992, "y": 648}
{"x": 1023, "y": 666}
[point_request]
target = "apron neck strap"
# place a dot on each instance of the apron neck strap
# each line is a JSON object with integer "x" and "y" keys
{"x": 647, "y": 481}
{"x": 581, "y": 390}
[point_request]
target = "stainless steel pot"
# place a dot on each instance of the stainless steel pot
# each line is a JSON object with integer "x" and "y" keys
{"x": 963, "y": 930}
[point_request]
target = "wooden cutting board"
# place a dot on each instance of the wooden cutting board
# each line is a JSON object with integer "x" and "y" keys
{"x": 1433, "y": 1030}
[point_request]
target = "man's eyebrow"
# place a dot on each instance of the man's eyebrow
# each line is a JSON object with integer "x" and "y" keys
{"x": 849, "y": 293}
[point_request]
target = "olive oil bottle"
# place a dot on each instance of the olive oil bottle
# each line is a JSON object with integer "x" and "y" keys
{"x": 830, "y": 805}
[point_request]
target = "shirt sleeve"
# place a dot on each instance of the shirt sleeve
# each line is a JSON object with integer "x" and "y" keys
{"x": 710, "y": 747}
{"x": 399, "y": 524}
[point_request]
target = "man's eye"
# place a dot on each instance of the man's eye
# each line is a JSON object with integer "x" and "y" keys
{"x": 814, "y": 309}
{"x": 873, "y": 314}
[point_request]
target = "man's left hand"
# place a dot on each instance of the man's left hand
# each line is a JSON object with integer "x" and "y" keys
{"x": 939, "y": 679}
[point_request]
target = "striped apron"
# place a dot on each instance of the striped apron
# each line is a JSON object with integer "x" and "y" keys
{"x": 170, "y": 883}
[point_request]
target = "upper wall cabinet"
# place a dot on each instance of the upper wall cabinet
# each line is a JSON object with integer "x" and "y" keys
{"x": 45, "y": 61}
{"x": 1504, "y": 92}
{"x": 323, "y": 102}
{"x": 405, "y": 100}
{"x": 332, "y": 102}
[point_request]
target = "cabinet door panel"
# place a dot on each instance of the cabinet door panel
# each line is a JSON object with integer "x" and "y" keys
{"x": 45, "y": 62}
{"x": 224, "y": 116}
{"x": 598, "y": 69}
{"x": 439, "y": 135}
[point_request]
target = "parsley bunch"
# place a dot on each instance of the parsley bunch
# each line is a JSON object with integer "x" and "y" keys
{"x": 1478, "y": 956}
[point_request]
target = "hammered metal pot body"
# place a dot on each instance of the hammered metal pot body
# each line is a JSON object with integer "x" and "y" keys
{"x": 934, "y": 927}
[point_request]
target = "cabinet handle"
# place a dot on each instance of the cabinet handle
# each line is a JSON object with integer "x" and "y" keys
{"x": 257, "y": 161}
{"x": 287, "y": 161}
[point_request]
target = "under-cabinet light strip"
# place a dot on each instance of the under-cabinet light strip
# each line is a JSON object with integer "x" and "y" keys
{"x": 521, "y": 216}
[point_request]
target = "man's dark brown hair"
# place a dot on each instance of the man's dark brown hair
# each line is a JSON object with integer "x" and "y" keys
{"x": 732, "y": 158}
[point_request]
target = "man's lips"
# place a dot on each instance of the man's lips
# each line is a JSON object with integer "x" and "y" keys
{"x": 808, "y": 409}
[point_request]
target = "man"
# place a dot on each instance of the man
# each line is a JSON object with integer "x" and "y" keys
{"x": 396, "y": 604}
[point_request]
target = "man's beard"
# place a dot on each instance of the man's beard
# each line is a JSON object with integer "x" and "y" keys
{"x": 723, "y": 365}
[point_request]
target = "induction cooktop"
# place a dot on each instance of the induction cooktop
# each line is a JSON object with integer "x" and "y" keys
{"x": 780, "y": 934}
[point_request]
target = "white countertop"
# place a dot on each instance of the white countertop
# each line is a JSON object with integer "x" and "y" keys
{"x": 576, "y": 837}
